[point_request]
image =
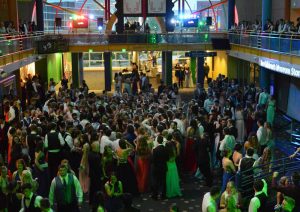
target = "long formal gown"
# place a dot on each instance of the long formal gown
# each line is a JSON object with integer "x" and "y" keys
{"x": 271, "y": 112}
{"x": 142, "y": 172}
{"x": 190, "y": 163}
{"x": 84, "y": 178}
{"x": 126, "y": 174}
{"x": 42, "y": 176}
{"x": 240, "y": 125}
{"x": 172, "y": 179}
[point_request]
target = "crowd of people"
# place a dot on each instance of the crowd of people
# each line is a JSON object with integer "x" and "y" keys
{"x": 59, "y": 148}
{"x": 8, "y": 27}
{"x": 280, "y": 26}
{"x": 136, "y": 26}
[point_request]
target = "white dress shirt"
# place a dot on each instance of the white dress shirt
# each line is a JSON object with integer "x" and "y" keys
{"x": 262, "y": 135}
{"x": 105, "y": 141}
{"x": 37, "y": 202}
{"x": 12, "y": 113}
{"x": 78, "y": 189}
{"x": 255, "y": 202}
{"x": 208, "y": 202}
{"x": 180, "y": 126}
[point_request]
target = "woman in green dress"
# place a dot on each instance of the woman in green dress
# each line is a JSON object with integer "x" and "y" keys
{"x": 172, "y": 178}
{"x": 271, "y": 110}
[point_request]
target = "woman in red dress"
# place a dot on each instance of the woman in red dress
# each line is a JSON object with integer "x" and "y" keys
{"x": 193, "y": 133}
{"x": 143, "y": 153}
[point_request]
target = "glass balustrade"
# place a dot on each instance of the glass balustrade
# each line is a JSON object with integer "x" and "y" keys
{"x": 284, "y": 43}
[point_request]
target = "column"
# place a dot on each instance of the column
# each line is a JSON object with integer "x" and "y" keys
{"x": 167, "y": 67}
{"x": 200, "y": 70}
{"x": 40, "y": 67}
{"x": 287, "y": 9}
{"x": 193, "y": 69}
{"x": 231, "y": 11}
{"x": 163, "y": 66}
{"x": 39, "y": 15}
{"x": 13, "y": 12}
{"x": 18, "y": 80}
{"x": 266, "y": 12}
{"x": 77, "y": 69}
{"x": 107, "y": 70}
{"x": 264, "y": 78}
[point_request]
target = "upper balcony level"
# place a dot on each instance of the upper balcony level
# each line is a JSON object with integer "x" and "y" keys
{"x": 288, "y": 44}
{"x": 283, "y": 43}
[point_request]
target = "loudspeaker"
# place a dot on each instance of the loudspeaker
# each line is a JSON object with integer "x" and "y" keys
{"x": 220, "y": 43}
{"x": 100, "y": 22}
{"x": 58, "y": 22}
{"x": 208, "y": 21}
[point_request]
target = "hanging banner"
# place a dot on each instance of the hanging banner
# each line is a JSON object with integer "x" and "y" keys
{"x": 157, "y": 6}
{"x": 132, "y": 7}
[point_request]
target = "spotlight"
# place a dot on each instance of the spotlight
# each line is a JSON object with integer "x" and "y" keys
{"x": 91, "y": 16}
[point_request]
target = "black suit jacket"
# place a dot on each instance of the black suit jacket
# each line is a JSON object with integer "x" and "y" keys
{"x": 159, "y": 158}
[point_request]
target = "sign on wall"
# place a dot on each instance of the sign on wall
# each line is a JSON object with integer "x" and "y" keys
{"x": 280, "y": 67}
{"x": 156, "y": 6}
{"x": 132, "y": 7}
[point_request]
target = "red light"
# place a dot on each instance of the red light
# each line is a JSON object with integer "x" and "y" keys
{"x": 71, "y": 25}
{"x": 83, "y": 23}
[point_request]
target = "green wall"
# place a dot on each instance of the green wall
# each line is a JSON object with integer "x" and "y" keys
{"x": 54, "y": 67}
{"x": 193, "y": 69}
{"x": 238, "y": 69}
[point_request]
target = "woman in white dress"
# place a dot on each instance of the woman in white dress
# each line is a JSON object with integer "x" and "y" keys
{"x": 240, "y": 124}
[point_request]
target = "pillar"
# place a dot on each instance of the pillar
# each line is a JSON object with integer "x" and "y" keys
{"x": 264, "y": 78}
{"x": 200, "y": 70}
{"x": 18, "y": 80}
{"x": 231, "y": 12}
{"x": 266, "y": 12}
{"x": 39, "y": 15}
{"x": 40, "y": 67}
{"x": 193, "y": 68}
{"x": 77, "y": 69}
{"x": 107, "y": 70}
{"x": 13, "y": 12}
{"x": 287, "y": 9}
{"x": 167, "y": 67}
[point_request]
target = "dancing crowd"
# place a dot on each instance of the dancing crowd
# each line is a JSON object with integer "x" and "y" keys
{"x": 59, "y": 149}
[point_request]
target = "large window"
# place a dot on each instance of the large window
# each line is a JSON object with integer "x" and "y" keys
{"x": 96, "y": 59}
{"x": 90, "y": 9}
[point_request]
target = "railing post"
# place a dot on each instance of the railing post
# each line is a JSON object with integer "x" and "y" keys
{"x": 291, "y": 42}
{"x": 284, "y": 168}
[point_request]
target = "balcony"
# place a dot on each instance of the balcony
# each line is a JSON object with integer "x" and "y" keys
{"x": 288, "y": 44}
{"x": 284, "y": 43}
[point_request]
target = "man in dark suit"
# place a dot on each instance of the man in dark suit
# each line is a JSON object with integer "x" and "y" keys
{"x": 159, "y": 163}
{"x": 232, "y": 128}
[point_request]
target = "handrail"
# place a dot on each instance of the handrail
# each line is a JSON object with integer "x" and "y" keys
{"x": 283, "y": 166}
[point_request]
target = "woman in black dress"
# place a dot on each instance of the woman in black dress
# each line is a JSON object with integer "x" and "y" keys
{"x": 40, "y": 170}
{"x": 125, "y": 170}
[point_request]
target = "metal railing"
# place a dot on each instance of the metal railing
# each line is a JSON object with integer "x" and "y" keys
{"x": 283, "y": 43}
{"x": 245, "y": 179}
{"x": 143, "y": 38}
{"x": 13, "y": 43}
{"x": 286, "y": 43}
